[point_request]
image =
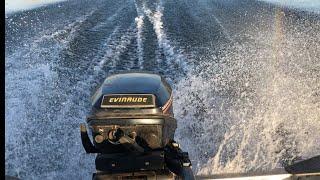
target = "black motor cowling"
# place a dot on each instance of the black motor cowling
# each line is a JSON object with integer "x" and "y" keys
{"x": 132, "y": 125}
{"x": 140, "y": 104}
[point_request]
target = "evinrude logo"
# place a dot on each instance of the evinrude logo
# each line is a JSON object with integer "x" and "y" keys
{"x": 128, "y": 100}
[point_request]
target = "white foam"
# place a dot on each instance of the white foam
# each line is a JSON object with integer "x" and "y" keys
{"x": 139, "y": 22}
{"x": 115, "y": 47}
{"x": 254, "y": 107}
{"x": 172, "y": 56}
{"x": 29, "y": 79}
{"x": 107, "y": 45}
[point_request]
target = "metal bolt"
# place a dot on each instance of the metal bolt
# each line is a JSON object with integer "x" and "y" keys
{"x": 186, "y": 164}
{"x": 99, "y": 138}
{"x": 176, "y": 145}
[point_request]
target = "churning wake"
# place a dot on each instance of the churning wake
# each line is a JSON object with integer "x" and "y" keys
{"x": 245, "y": 77}
{"x": 255, "y": 107}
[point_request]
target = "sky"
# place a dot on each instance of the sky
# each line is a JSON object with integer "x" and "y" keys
{"x": 311, "y": 5}
{"x": 18, "y": 5}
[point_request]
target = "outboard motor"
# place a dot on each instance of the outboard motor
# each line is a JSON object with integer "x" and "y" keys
{"x": 132, "y": 127}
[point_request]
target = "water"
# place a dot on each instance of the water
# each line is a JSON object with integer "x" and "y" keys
{"x": 245, "y": 77}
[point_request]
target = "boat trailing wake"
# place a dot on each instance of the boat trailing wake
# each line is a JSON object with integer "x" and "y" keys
{"x": 246, "y": 94}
